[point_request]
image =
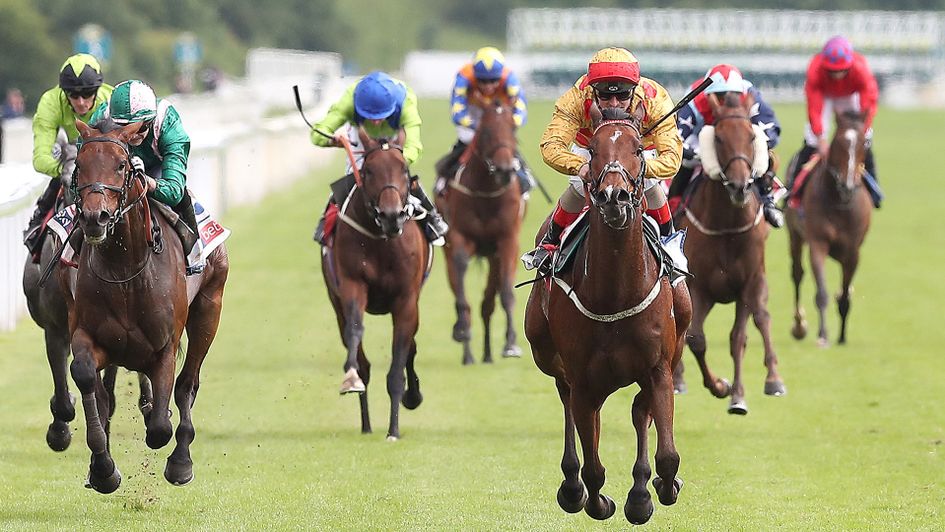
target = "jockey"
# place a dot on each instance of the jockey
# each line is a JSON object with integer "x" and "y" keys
{"x": 484, "y": 81}
{"x": 159, "y": 151}
{"x": 838, "y": 80}
{"x": 80, "y": 89}
{"x": 691, "y": 119}
{"x": 381, "y": 105}
{"x": 612, "y": 81}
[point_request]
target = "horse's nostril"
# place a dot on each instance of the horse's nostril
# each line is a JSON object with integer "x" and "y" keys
{"x": 623, "y": 196}
{"x": 102, "y": 217}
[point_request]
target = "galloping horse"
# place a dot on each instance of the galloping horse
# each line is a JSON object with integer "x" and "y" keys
{"x": 726, "y": 245}
{"x": 832, "y": 218}
{"x": 485, "y": 207}
{"x": 129, "y": 303}
{"x": 637, "y": 337}
{"x": 378, "y": 263}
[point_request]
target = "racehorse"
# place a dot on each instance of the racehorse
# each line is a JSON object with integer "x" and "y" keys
{"x": 637, "y": 337}
{"x": 378, "y": 264}
{"x": 833, "y": 217}
{"x": 725, "y": 245}
{"x": 484, "y": 206}
{"x": 129, "y": 303}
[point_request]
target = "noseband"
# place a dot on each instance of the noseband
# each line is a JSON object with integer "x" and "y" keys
{"x": 98, "y": 187}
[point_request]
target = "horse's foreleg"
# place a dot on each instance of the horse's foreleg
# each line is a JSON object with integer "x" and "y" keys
{"x": 508, "y": 262}
{"x": 762, "y": 318}
{"x": 406, "y": 322}
{"x": 843, "y": 300}
{"x": 639, "y": 506}
{"x": 799, "y": 331}
{"x": 818, "y": 254}
{"x": 161, "y": 374}
{"x": 586, "y": 412}
{"x": 571, "y": 494}
{"x": 364, "y": 371}
{"x": 412, "y": 396}
{"x": 738, "y": 338}
{"x": 695, "y": 338}
{"x": 488, "y": 305}
{"x": 109, "y": 375}
{"x": 667, "y": 484}
{"x": 351, "y": 334}
{"x": 457, "y": 261}
{"x": 104, "y": 476}
{"x": 62, "y": 403}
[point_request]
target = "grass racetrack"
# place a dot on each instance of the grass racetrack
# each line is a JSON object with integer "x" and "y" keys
{"x": 857, "y": 443}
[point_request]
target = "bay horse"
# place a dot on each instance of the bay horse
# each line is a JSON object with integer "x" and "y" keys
{"x": 377, "y": 264}
{"x": 485, "y": 207}
{"x": 129, "y": 303}
{"x": 832, "y": 218}
{"x": 637, "y": 337}
{"x": 725, "y": 245}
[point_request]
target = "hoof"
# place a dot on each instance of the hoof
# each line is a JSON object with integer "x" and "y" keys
{"x": 722, "y": 388}
{"x": 411, "y": 399}
{"x": 568, "y": 504}
{"x": 667, "y": 494}
{"x": 605, "y": 510}
{"x": 104, "y": 485}
{"x": 58, "y": 436}
{"x": 512, "y": 351}
{"x": 391, "y": 438}
{"x": 739, "y": 408}
{"x": 468, "y": 359}
{"x": 799, "y": 331}
{"x": 179, "y": 473}
{"x": 640, "y": 512}
{"x": 823, "y": 343}
{"x": 352, "y": 383}
{"x": 775, "y": 388}
{"x": 461, "y": 332}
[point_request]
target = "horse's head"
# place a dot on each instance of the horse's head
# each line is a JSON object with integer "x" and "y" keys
{"x": 734, "y": 151}
{"x": 616, "y": 165}
{"x": 495, "y": 142}
{"x": 385, "y": 182}
{"x": 847, "y": 153}
{"x": 104, "y": 178}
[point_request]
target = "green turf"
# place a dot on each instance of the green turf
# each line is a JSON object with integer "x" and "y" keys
{"x": 856, "y": 444}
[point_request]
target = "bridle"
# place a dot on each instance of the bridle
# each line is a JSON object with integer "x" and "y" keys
{"x": 487, "y": 158}
{"x": 123, "y": 191}
{"x": 630, "y": 207}
{"x": 737, "y": 157}
{"x": 371, "y": 203}
{"x": 846, "y": 187}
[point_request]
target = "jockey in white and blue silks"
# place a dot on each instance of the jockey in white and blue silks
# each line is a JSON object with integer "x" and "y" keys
{"x": 698, "y": 113}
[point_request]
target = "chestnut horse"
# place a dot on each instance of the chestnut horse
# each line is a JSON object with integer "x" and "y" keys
{"x": 484, "y": 207}
{"x": 725, "y": 245}
{"x": 637, "y": 337}
{"x": 378, "y": 263}
{"x": 129, "y": 303}
{"x": 833, "y": 218}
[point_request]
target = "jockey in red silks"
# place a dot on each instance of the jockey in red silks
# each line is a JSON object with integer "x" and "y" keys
{"x": 486, "y": 80}
{"x": 691, "y": 119}
{"x": 839, "y": 80}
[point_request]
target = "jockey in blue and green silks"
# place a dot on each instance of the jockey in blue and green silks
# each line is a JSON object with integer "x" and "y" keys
{"x": 161, "y": 156}
{"x": 381, "y": 105}
{"x": 485, "y": 80}
{"x": 79, "y": 90}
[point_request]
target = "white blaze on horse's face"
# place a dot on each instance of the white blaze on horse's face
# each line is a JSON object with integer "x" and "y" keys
{"x": 615, "y": 136}
{"x": 851, "y": 137}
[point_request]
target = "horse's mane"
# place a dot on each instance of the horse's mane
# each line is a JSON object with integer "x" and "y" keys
{"x": 851, "y": 116}
{"x": 732, "y": 99}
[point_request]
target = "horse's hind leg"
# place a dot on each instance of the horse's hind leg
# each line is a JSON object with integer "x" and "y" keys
{"x": 639, "y": 506}
{"x": 62, "y": 403}
{"x": 667, "y": 458}
{"x": 488, "y": 306}
{"x": 572, "y": 495}
{"x": 508, "y": 261}
{"x": 364, "y": 372}
{"x": 843, "y": 300}
{"x": 695, "y": 337}
{"x": 762, "y": 318}
{"x": 586, "y": 412}
{"x": 682, "y": 311}
{"x": 738, "y": 339}
{"x": 104, "y": 476}
{"x": 406, "y": 322}
{"x": 458, "y": 255}
{"x": 202, "y": 323}
{"x": 818, "y": 254}
{"x": 799, "y": 331}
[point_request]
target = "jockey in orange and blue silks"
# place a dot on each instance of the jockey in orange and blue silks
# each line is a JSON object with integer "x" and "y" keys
{"x": 838, "y": 80}
{"x": 691, "y": 119}
{"x": 485, "y": 80}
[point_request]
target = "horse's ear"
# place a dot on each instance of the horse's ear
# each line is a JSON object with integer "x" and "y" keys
{"x": 365, "y": 139}
{"x": 748, "y": 101}
{"x": 401, "y": 138}
{"x": 714, "y": 104}
{"x": 85, "y": 131}
{"x": 638, "y": 113}
{"x": 596, "y": 115}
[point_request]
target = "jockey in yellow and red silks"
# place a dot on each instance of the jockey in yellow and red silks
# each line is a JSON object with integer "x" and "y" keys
{"x": 612, "y": 81}
{"x": 486, "y": 80}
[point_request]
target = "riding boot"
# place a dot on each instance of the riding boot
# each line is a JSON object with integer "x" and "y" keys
{"x": 435, "y": 227}
{"x": 447, "y": 166}
{"x": 772, "y": 214}
{"x": 871, "y": 179}
{"x": 677, "y": 187}
{"x": 803, "y": 156}
{"x": 540, "y": 257}
{"x": 320, "y": 235}
{"x": 667, "y": 228}
{"x": 33, "y": 237}
{"x": 525, "y": 179}
{"x": 189, "y": 237}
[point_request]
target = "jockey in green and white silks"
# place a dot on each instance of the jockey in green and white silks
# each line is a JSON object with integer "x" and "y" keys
{"x": 80, "y": 89}
{"x": 162, "y": 156}
{"x": 381, "y": 105}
